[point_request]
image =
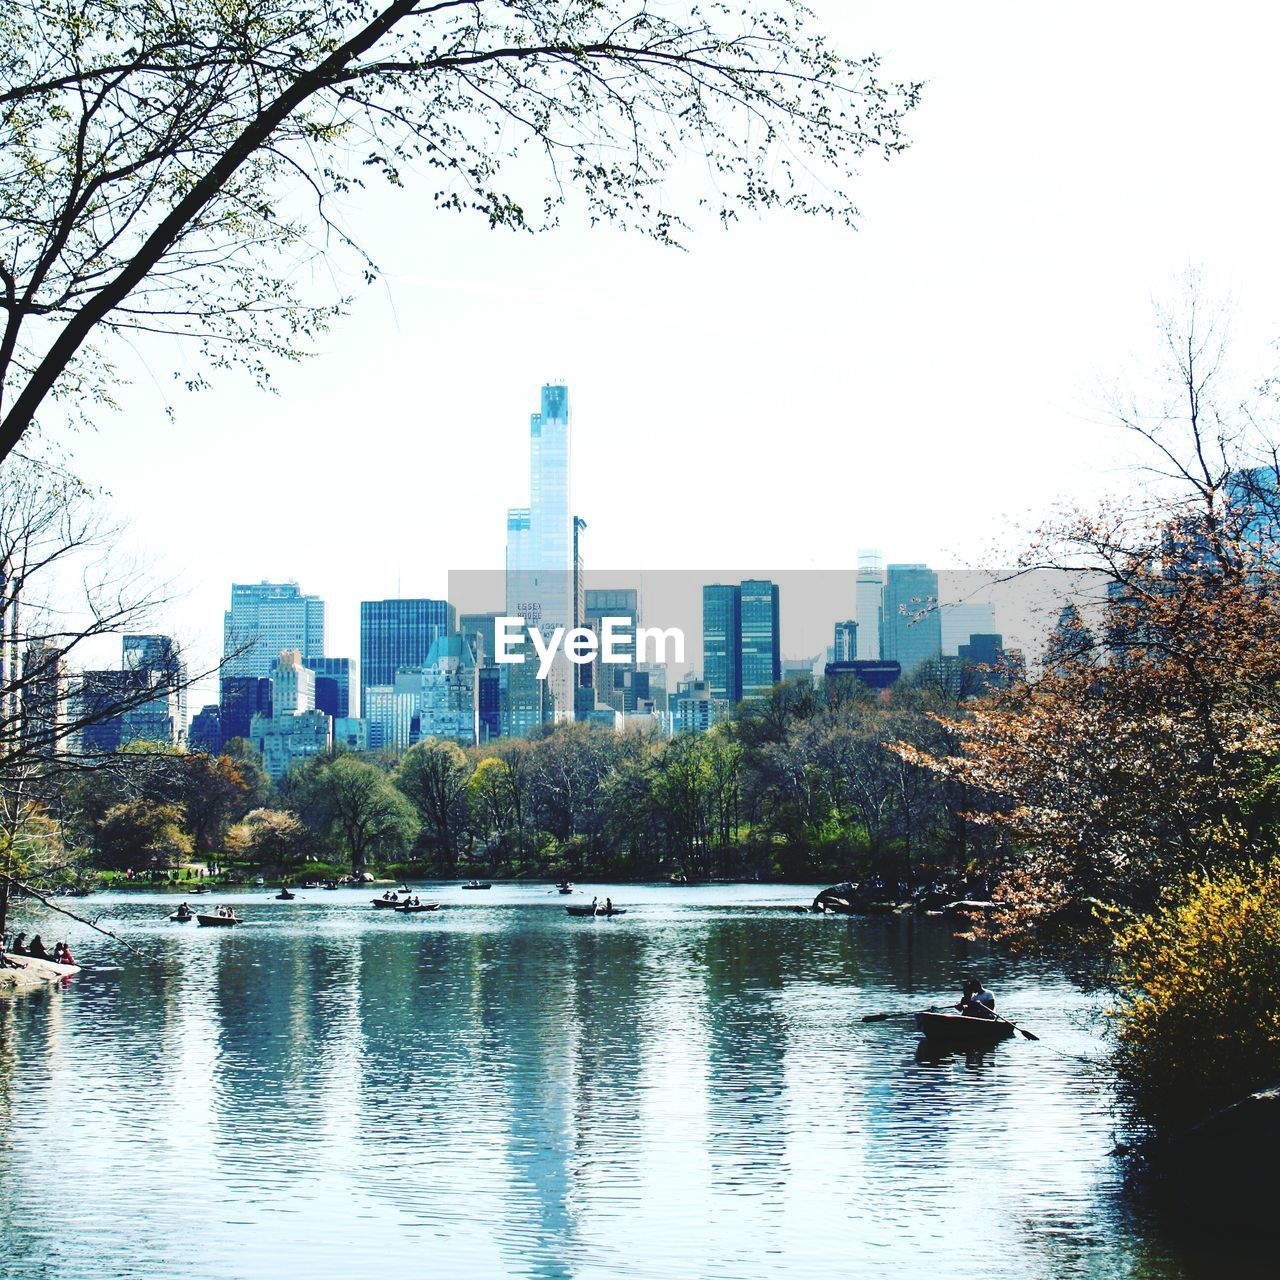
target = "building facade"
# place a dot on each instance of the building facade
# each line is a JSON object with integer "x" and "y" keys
{"x": 761, "y": 662}
{"x": 912, "y": 630}
{"x": 395, "y": 634}
{"x": 265, "y": 619}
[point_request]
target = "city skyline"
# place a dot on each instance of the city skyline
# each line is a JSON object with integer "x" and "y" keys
{"x": 968, "y": 368}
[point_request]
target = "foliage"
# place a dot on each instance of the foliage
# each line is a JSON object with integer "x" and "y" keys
{"x": 153, "y": 153}
{"x": 143, "y": 835}
{"x": 1199, "y": 1025}
{"x": 1147, "y": 747}
{"x": 350, "y": 805}
{"x": 269, "y": 837}
{"x": 433, "y": 776}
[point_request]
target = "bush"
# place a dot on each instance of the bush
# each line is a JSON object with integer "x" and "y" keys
{"x": 1199, "y": 1026}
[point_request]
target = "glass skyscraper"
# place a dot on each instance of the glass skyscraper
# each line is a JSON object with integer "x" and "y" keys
{"x": 761, "y": 663}
{"x": 542, "y": 578}
{"x": 397, "y": 633}
{"x": 333, "y": 685}
{"x": 868, "y": 604}
{"x": 912, "y": 624}
{"x": 722, "y": 642}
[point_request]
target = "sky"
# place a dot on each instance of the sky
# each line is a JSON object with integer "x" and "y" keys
{"x": 781, "y": 393}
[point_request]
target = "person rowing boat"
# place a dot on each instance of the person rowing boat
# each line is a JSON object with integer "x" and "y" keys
{"x": 977, "y": 1001}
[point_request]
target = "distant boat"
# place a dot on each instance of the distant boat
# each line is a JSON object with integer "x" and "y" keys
{"x": 312, "y": 884}
{"x": 285, "y": 896}
{"x": 565, "y": 888}
{"x": 331, "y": 885}
{"x": 219, "y": 920}
{"x": 596, "y": 911}
{"x": 475, "y": 884}
{"x": 260, "y": 882}
{"x": 386, "y": 904}
{"x": 182, "y": 917}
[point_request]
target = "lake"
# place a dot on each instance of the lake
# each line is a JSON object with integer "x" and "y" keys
{"x": 498, "y": 1089}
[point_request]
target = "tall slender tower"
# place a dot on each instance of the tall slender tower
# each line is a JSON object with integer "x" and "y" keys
{"x": 868, "y": 604}
{"x": 541, "y": 581}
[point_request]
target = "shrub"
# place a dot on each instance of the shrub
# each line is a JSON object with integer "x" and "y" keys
{"x": 1199, "y": 1024}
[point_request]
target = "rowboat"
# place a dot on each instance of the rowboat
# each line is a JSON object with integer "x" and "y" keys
{"x": 285, "y": 896}
{"x": 214, "y": 922}
{"x": 44, "y": 968}
{"x": 565, "y": 888}
{"x": 955, "y": 1028}
{"x": 596, "y": 911}
{"x": 182, "y": 917}
{"x": 386, "y": 903}
{"x": 475, "y": 884}
{"x": 408, "y": 910}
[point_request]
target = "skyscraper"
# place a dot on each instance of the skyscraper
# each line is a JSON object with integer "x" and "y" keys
{"x": 265, "y": 619}
{"x": 333, "y": 685}
{"x": 761, "y": 662}
{"x": 912, "y": 626}
{"x": 960, "y": 621}
{"x": 397, "y": 633}
{"x": 722, "y": 642}
{"x": 845, "y": 648}
{"x": 542, "y": 560}
{"x": 868, "y": 604}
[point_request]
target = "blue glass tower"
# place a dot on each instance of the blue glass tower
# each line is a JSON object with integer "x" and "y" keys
{"x": 398, "y": 633}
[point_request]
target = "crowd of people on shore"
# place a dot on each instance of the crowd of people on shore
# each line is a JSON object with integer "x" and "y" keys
{"x": 34, "y": 950}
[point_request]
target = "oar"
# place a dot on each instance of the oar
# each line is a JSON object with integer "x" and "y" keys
{"x": 1026, "y": 1035}
{"x": 882, "y": 1017}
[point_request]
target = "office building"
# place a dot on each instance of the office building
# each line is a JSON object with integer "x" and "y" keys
{"x": 242, "y": 698}
{"x": 544, "y": 576}
{"x": 960, "y": 621}
{"x": 265, "y": 619}
{"x": 845, "y": 648}
{"x": 43, "y": 698}
{"x": 722, "y": 642}
{"x": 761, "y": 661}
{"x": 205, "y": 733}
{"x": 868, "y": 604}
{"x": 293, "y": 687}
{"x": 333, "y": 685}
{"x": 295, "y": 730}
{"x": 912, "y": 628}
{"x": 395, "y": 634}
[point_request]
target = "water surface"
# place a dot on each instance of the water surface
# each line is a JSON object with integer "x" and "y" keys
{"x": 498, "y": 1089}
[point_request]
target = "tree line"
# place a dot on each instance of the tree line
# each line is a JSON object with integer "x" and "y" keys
{"x": 807, "y": 783}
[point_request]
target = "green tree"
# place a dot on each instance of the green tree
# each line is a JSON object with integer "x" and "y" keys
{"x": 433, "y": 775}
{"x": 152, "y": 153}
{"x": 351, "y": 805}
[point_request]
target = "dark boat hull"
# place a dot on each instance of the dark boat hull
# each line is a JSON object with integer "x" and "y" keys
{"x": 591, "y": 911}
{"x": 422, "y": 906}
{"x": 954, "y": 1028}
{"x": 385, "y": 904}
{"x": 477, "y": 886}
{"x": 216, "y": 922}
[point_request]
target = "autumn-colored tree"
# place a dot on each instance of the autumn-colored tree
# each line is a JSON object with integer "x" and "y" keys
{"x": 143, "y": 835}
{"x": 215, "y": 794}
{"x": 1146, "y": 748}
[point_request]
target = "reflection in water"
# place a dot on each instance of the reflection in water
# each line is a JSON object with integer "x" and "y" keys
{"x": 503, "y": 1090}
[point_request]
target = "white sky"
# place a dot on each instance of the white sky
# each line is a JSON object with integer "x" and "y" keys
{"x": 783, "y": 393}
